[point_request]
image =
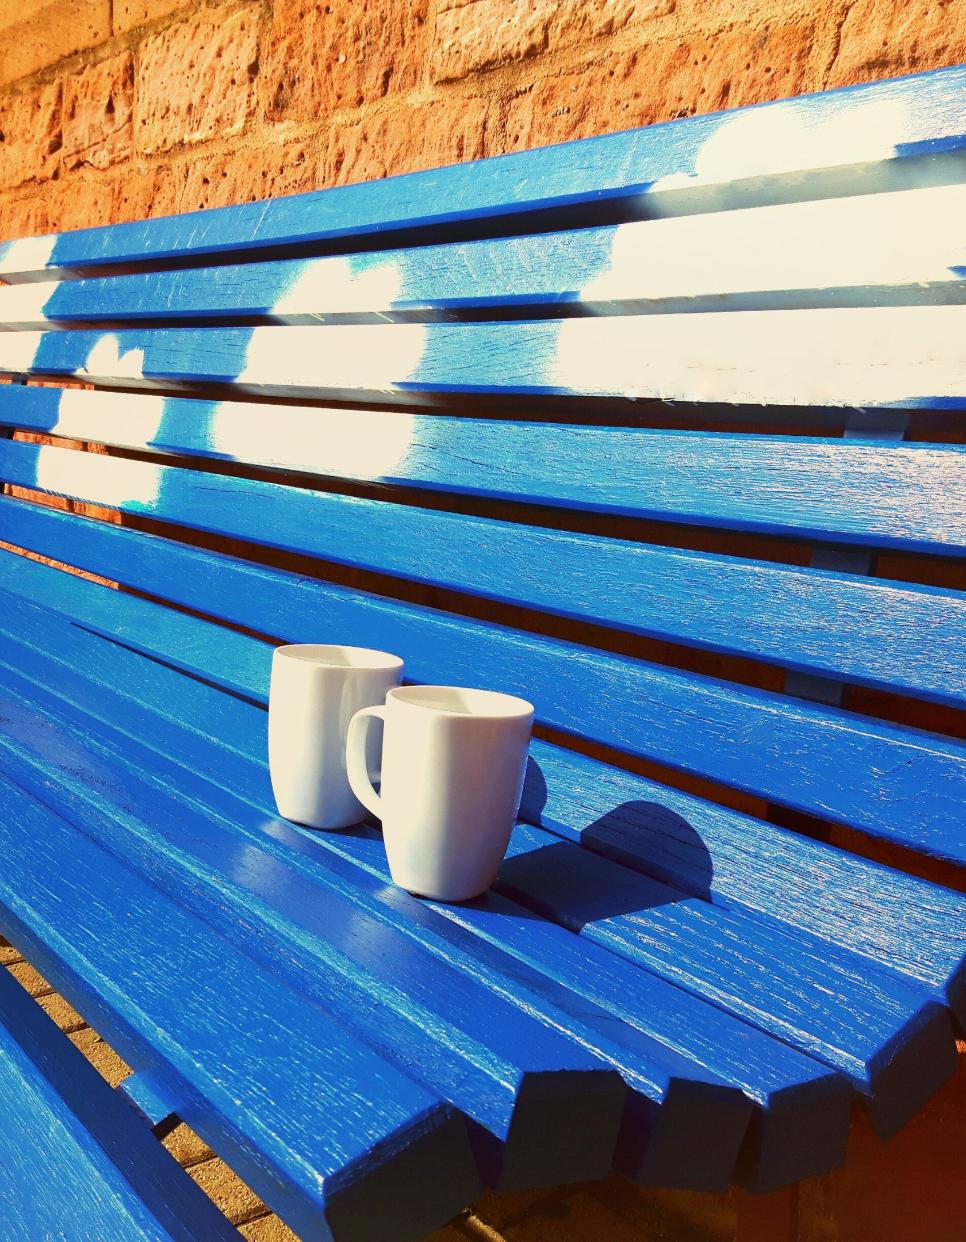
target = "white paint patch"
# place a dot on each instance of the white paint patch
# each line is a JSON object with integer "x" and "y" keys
{"x": 26, "y": 257}
{"x": 325, "y": 359}
{"x": 764, "y": 141}
{"x": 795, "y": 357}
{"x": 91, "y": 477}
{"x": 343, "y": 443}
{"x": 18, "y": 350}
{"x": 905, "y": 237}
{"x": 332, "y": 286}
{"x": 107, "y": 361}
{"x": 110, "y": 418}
{"x": 25, "y": 306}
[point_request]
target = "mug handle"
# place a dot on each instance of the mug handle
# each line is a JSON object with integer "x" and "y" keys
{"x": 356, "y": 767}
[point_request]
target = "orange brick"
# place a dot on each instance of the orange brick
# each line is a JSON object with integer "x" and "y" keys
{"x": 407, "y": 139}
{"x": 267, "y": 1229}
{"x": 227, "y": 1189}
{"x": 186, "y": 1147}
{"x": 662, "y": 81}
{"x": 237, "y": 176}
{"x": 342, "y": 54}
{"x": 37, "y": 33}
{"x": 65, "y": 1015}
{"x": 84, "y": 198}
{"x": 101, "y": 1055}
{"x": 8, "y": 953}
{"x": 30, "y": 978}
{"x": 472, "y": 36}
{"x": 131, "y": 13}
{"x": 31, "y": 135}
{"x": 882, "y": 39}
{"x": 97, "y": 113}
{"x": 195, "y": 80}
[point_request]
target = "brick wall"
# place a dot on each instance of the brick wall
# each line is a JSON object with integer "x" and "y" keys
{"x": 112, "y": 111}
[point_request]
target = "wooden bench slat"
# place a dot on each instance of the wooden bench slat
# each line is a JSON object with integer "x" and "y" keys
{"x": 699, "y": 847}
{"x": 859, "y": 251}
{"x": 900, "y": 1065}
{"x": 515, "y": 1077}
{"x": 801, "y": 1123}
{"x": 289, "y": 911}
{"x": 904, "y": 357}
{"x": 887, "y": 494}
{"x": 861, "y": 630}
{"x": 890, "y": 781}
{"x": 872, "y": 137}
{"x": 345, "y": 1128}
{"x": 75, "y": 1161}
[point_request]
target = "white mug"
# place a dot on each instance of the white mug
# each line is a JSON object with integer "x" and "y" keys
{"x": 453, "y": 763}
{"x": 315, "y": 691}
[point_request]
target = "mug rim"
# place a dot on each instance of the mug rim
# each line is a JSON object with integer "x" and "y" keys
{"x": 502, "y": 705}
{"x": 314, "y": 654}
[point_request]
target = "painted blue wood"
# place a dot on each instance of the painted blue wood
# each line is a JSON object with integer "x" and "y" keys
{"x": 802, "y": 1122}
{"x": 875, "y": 136}
{"x": 890, "y": 781}
{"x": 74, "y": 1159}
{"x": 892, "y": 1041}
{"x": 349, "y": 1147}
{"x": 905, "y": 496}
{"x": 840, "y": 626}
{"x": 826, "y": 253}
{"x": 904, "y": 357}
{"x": 736, "y": 861}
{"x": 513, "y": 1076}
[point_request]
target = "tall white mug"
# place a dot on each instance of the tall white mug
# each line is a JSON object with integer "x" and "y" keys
{"x": 453, "y": 763}
{"x": 315, "y": 691}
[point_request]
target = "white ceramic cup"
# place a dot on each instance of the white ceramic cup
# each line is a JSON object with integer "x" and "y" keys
{"x": 453, "y": 763}
{"x": 315, "y": 691}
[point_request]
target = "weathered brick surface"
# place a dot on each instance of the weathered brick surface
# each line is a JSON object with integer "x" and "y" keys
{"x": 267, "y": 1229}
{"x": 658, "y": 82}
{"x": 475, "y": 35}
{"x": 38, "y": 33}
{"x": 98, "y": 104}
{"x": 31, "y": 134}
{"x": 407, "y": 139}
{"x": 101, "y": 1055}
{"x": 227, "y": 1190}
{"x": 345, "y": 53}
{"x": 882, "y": 39}
{"x": 236, "y": 176}
{"x": 195, "y": 80}
{"x": 122, "y": 192}
{"x": 131, "y": 13}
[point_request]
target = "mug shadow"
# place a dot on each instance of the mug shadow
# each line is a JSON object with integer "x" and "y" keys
{"x": 638, "y": 856}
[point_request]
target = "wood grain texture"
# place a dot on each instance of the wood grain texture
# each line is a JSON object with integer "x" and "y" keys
{"x": 513, "y": 1076}
{"x": 885, "y": 493}
{"x": 74, "y": 1159}
{"x": 888, "y": 780}
{"x": 741, "y": 863}
{"x": 801, "y": 1108}
{"x": 859, "y": 251}
{"x": 344, "y": 1123}
{"x": 857, "y": 1018}
{"x": 822, "y": 623}
{"x": 876, "y": 136}
{"x": 904, "y": 357}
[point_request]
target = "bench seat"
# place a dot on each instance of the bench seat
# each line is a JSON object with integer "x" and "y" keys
{"x": 673, "y": 452}
{"x": 74, "y": 1158}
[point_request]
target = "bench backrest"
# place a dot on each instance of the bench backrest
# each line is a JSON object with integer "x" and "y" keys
{"x": 657, "y": 429}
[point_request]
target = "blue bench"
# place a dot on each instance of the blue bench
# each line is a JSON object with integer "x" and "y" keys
{"x": 75, "y": 1160}
{"x": 657, "y": 429}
